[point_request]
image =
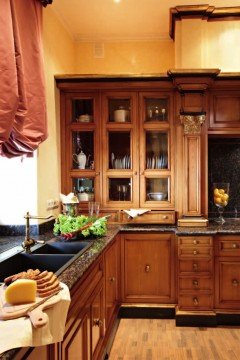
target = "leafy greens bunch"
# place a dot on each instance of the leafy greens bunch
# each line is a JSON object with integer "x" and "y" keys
{"x": 66, "y": 224}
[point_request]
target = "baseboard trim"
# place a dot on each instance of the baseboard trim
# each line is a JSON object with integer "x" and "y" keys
{"x": 146, "y": 312}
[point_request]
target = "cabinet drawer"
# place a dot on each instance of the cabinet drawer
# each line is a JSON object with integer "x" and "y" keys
{"x": 195, "y": 283}
{"x": 195, "y": 240}
{"x": 229, "y": 247}
{"x": 195, "y": 266}
{"x": 195, "y": 301}
{"x": 194, "y": 252}
{"x": 151, "y": 217}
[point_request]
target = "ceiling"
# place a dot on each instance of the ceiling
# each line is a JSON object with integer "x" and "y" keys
{"x": 108, "y": 20}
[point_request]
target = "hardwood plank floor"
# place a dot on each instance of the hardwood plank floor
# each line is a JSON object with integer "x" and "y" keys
{"x": 150, "y": 339}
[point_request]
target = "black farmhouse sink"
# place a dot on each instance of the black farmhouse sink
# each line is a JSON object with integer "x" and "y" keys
{"x": 53, "y": 256}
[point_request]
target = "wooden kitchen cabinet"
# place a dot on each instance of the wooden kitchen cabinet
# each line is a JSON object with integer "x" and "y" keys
{"x": 112, "y": 282}
{"x": 108, "y": 123}
{"x": 80, "y": 155}
{"x": 195, "y": 273}
{"x": 133, "y": 178}
{"x": 148, "y": 268}
{"x": 225, "y": 109}
{"x": 85, "y": 324}
{"x": 227, "y": 272}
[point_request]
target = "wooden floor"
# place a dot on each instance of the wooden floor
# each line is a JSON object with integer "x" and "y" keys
{"x": 147, "y": 339}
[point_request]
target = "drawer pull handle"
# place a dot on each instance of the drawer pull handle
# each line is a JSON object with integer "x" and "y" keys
{"x": 195, "y": 282}
{"x": 165, "y": 217}
{"x": 195, "y": 301}
{"x": 235, "y": 246}
{"x": 97, "y": 322}
{"x": 112, "y": 279}
{"x": 195, "y": 267}
{"x": 195, "y": 252}
{"x": 147, "y": 268}
{"x": 195, "y": 242}
{"x": 235, "y": 282}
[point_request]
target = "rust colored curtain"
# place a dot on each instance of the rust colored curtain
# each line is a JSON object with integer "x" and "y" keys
{"x": 23, "y": 121}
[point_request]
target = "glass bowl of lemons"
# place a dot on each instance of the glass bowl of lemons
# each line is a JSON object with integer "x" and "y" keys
{"x": 221, "y": 198}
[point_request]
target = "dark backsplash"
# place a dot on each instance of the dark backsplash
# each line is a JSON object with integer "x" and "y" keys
{"x": 224, "y": 166}
{"x": 17, "y": 230}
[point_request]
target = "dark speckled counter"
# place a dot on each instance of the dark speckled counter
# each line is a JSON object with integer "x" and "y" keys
{"x": 74, "y": 272}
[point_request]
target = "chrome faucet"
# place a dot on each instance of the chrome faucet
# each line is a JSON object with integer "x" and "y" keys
{"x": 29, "y": 242}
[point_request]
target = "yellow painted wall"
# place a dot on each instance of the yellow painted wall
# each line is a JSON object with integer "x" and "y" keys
{"x": 132, "y": 57}
{"x": 59, "y": 57}
{"x": 203, "y": 44}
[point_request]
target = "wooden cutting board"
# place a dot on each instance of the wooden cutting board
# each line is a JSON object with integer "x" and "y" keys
{"x": 37, "y": 316}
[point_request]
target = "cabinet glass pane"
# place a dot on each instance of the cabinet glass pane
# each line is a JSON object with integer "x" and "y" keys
{"x": 119, "y": 150}
{"x": 157, "y": 189}
{"x": 156, "y": 109}
{"x": 119, "y": 189}
{"x": 83, "y": 150}
{"x": 82, "y": 110}
{"x": 156, "y": 150}
{"x": 119, "y": 110}
{"x": 84, "y": 187}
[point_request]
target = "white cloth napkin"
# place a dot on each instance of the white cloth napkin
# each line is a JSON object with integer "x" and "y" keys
{"x": 135, "y": 212}
{"x": 20, "y": 332}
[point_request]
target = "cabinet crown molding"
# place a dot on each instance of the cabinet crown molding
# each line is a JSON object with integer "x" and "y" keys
{"x": 204, "y": 12}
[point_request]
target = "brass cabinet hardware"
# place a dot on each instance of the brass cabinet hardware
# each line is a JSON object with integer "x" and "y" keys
{"x": 195, "y": 266}
{"x": 195, "y": 252}
{"x": 195, "y": 242}
{"x": 135, "y": 172}
{"x": 97, "y": 322}
{"x": 195, "y": 282}
{"x": 195, "y": 301}
{"x": 165, "y": 217}
{"x": 112, "y": 279}
{"x": 235, "y": 246}
{"x": 147, "y": 268}
{"x": 97, "y": 173}
{"x": 235, "y": 282}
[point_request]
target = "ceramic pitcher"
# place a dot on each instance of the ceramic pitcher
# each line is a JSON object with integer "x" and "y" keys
{"x": 80, "y": 159}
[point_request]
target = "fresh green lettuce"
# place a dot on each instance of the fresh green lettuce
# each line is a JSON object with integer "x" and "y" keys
{"x": 66, "y": 224}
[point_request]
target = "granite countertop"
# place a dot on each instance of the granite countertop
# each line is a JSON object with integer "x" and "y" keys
{"x": 74, "y": 272}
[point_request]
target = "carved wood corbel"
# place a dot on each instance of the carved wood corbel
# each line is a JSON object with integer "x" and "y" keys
{"x": 192, "y": 123}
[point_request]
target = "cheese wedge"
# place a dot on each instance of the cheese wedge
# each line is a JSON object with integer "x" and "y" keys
{"x": 21, "y": 291}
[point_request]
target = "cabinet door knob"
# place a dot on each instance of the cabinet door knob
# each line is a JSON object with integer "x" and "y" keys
{"x": 235, "y": 246}
{"x": 97, "y": 322}
{"x": 165, "y": 217}
{"x": 112, "y": 279}
{"x": 195, "y": 282}
{"x": 195, "y": 242}
{"x": 195, "y": 252}
{"x": 235, "y": 282}
{"x": 97, "y": 173}
{"x": 135, "y": 172}
{"x": 147, "y": 268}
{"x": 195, "y": 301}
{"x": 195, "y": 266}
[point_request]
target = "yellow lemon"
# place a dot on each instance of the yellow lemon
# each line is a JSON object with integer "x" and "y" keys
{"x": 215, "y": 191}
{"x": 221, "y": 191}
{"x": 225, "y": 197}
{"x": 217, "y": 200}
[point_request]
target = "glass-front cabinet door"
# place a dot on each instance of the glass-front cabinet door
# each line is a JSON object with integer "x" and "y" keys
{"x": 120, "y": 156}
{"x": 81, "y": 154}
{"x": 156, "y": 171}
